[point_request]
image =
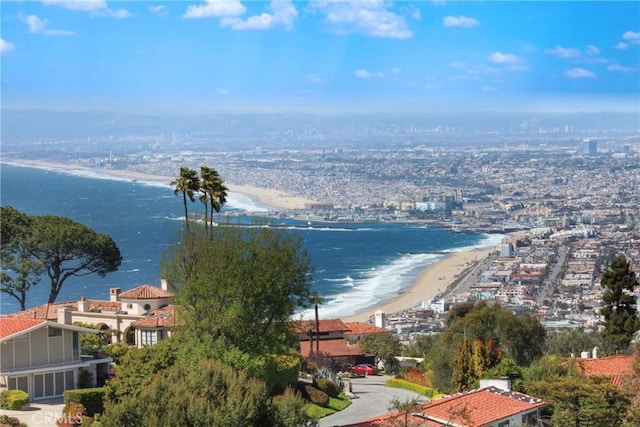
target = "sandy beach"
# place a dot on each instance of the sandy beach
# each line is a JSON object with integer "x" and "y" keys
{"x": 269, "y": 197}
{"x": 434, "y": 280}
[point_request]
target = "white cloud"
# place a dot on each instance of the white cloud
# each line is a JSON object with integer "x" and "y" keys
{"x": 629, "y": 37}
{"x": 83, "y": 5}
{"x": 95, "y": 7}
{"x": 364, "y": 74}
{"x": 592, "y": 50}
{"x": 372, "y": 17}
{"x": 5, "y": 46}
{"x": 632, "y": 37}
{"x": 395, "y": 71}
{"x": 504, "y": 58}
{"x": 35, "y": 24}
{"x": 223, "y": 91}
{"x": 619, "y": 68}
{"x": 38, "y": 26}
{"x": 621, "y": 46}
{"x": 563, "y": 52}
{"x": 119, "y": 14}
{"x": 160, "y": 10}
{"x": 580, "y": 73}
{"x": 215, "y": 9}
{"x": 460, "y": 21}
{"x": 283, "y": 14}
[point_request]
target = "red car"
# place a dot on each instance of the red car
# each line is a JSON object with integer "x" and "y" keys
{"x": 363, "y": 369}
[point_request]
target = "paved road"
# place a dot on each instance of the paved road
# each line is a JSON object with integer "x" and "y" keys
{"x": 372, "y": 399}
{"x": 39, "y": 414}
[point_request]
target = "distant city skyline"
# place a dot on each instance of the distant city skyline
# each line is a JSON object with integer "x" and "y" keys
{"x": 193, "y": 57}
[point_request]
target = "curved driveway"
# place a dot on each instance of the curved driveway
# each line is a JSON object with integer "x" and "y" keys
{"x": 372, "y": 400}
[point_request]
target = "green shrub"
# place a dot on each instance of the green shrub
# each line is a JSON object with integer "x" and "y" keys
{"x": 289, "y": 409}
{"x": 85, "y": 379}
{"x": 331, "y": 383}
{"x": 90, "y": 398}
{"x": 327, "y": 386}
{"x": 316, "y": 396}
{"x": 408, "y": 385}
{"x": 7, "y": 421}
{"x": 13, "y": 399}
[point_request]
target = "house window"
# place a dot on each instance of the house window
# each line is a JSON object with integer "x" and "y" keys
{"x": 530, "y": 419}
{"x": 55, "y": 332}
{"x": 504, "y": 424}
{"x": 148, "y": 337}
{"x": 147, "y": 307}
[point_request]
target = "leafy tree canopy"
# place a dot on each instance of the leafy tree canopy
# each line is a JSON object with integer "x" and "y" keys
{"x": 521, "y": 338}
{"x": 55, "y": 245}
{"x": 239, "y": 286}
{"x": 384, "y": 346}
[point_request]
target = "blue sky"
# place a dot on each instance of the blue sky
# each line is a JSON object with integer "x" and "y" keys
{"x": 320, "y": 56}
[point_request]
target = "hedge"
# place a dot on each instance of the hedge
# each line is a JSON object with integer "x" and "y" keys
{"x": 90, "y": 398}
{"x": 13, "y": 399}
{"x": 408, "y": 385}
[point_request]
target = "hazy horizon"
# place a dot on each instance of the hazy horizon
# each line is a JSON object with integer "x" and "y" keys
{"x": 320, "y": 57}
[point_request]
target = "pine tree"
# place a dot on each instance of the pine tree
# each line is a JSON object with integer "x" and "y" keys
{"x": 464, "y": 374}
{"x": 620, "y": 314}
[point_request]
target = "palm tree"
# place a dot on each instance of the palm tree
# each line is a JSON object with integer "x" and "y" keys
{"x": 316, "y": 299}
{"x": 214, "y": 191}
{"x": 187, "y": 183}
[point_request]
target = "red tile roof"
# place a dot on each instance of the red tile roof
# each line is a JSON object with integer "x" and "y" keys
{"x": 10, "y": 325}
{"x": 50, "y": 311}
{"x": 146, "y": 292}
{"x": 476, "y": 408}
{"x": 326, "y": 325}
{"x": 617, "y": 367}
{"x": 332, "y": 348}
{"x": 359, "y": 328}
{"x": 163, "y": 317}
{"x": 481, "y": 407}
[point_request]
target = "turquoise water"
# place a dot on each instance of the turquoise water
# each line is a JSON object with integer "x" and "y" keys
{"x": 356, "y": 265}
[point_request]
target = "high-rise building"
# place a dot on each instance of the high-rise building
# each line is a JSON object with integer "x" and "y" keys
{"x": 590, "y": 147}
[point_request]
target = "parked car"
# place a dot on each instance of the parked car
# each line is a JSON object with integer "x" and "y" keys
{"x": 363, "y": 369}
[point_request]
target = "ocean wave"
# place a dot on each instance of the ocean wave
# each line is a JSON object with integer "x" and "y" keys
{"x": 374, "y": 286}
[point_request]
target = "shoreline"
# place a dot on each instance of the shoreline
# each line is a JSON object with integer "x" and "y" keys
{"x": 431, "y": 283}
{"x": 274, "y": 199}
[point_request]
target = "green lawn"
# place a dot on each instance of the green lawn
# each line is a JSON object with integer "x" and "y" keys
{"x": 335, "y": 404}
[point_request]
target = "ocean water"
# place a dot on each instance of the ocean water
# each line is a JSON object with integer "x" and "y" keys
{"x": 355, "y": 265}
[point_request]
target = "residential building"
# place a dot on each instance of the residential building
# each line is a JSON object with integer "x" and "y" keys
{"x": 140, "y": 316}
{"x": 42, "y": 357}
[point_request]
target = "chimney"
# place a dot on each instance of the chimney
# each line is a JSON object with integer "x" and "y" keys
{"x": 114, "y": 294}
{"x": 503, "y": 383}
{"x": 164, "y": 285}
{"x": 64, "y": 316}
{"x": 584, "y": 354}
{"x": 83, "y": 305}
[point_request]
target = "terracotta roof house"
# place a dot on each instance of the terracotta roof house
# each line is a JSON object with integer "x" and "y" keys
{"x": 488, "y": 406}
{"x": 117, "y": 316}
{"x": 332, "y": 344}
{"x": 617, "y": 367}
{"x": 359, "y": 330}
{"x": 42, "y": 356}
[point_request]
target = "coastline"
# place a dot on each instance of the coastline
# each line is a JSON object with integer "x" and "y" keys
{"x": 274, "y": 199}
{"x": 432, "y": 282}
